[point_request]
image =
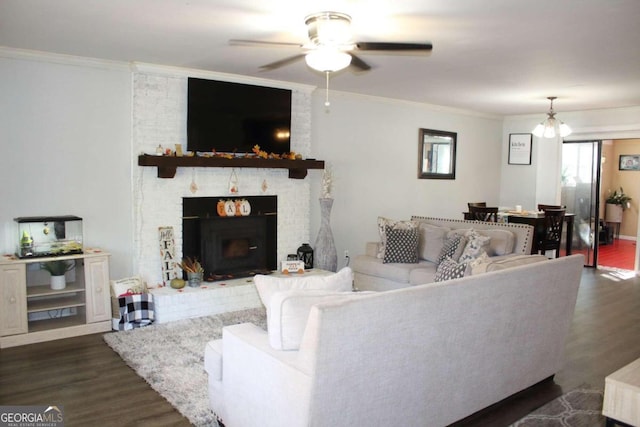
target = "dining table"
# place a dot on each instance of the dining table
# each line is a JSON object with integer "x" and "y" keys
{"x": 536, "y": 219}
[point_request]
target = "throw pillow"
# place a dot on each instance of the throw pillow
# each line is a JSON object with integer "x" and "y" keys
{"x": 383, "y": 223}
{"x": 449, "y": 269}
{"x": 267, "y": 286}
{"x": 477, "y": 244}
{"x": 289, "y": 311}
{"x": 452, "y": 248}
{"x": 431, "y": 241}
{"x": 402, "y": 246}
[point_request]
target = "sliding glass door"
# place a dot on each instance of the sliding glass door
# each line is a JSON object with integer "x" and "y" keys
{"x": 579, "y": 192}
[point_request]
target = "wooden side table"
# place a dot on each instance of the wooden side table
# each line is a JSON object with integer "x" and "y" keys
{"x": 622, "y": 395}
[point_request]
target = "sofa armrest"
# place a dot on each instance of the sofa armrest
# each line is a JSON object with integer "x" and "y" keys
{"x": 260, "y": 382}
{"x": 371, "y": 249}
{"x": 213, "y": 359}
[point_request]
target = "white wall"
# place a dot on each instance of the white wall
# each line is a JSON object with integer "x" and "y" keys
{"x": 371, "y": 145}
{"x": 65, "y": 135}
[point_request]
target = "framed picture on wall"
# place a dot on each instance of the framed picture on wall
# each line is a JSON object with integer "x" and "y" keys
{"x": 629, "y": 162}
{"x": 520, "y": 148}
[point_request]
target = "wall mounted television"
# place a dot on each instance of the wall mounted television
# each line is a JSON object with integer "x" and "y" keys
{"x": 233, "y": 117}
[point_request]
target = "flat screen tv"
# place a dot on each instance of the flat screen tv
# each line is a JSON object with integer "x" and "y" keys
{"x": 233, "y": 117}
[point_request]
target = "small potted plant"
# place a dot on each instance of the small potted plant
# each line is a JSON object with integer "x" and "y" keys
{"x": 617, "y": 202}
{"x": 57, "y": 269}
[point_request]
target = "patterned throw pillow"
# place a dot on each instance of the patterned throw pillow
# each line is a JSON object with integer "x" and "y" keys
{"x": 477, "y": 245}
{"x": 453, "y": 247}
{"x": 383, "y": 223}
{"x": 449, "y": 269}
{"x": 402, "y": 246}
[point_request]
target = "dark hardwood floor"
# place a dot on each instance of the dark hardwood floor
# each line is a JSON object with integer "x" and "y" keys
{"x": 96, "y": 388}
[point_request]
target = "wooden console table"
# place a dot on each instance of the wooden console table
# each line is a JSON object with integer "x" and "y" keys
{"x": 622, "y": 395}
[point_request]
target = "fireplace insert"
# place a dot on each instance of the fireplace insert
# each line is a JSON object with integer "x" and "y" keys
{"x": 231, "y": 247}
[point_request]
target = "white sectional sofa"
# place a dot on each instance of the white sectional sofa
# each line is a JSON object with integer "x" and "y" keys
{"x": 372, "y": 273}
{"x": 425, "y": 355}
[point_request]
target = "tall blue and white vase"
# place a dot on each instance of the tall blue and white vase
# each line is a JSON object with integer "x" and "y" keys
{"x": 325, "y": 256}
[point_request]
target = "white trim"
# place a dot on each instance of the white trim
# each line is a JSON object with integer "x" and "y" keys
{"x": 57, "y": 58}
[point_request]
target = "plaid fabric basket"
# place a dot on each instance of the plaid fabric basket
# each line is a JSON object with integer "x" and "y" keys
{"x": 136, "y": 310}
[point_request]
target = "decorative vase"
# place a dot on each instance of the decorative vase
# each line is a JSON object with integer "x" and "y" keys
{"x": 613, "y": 213}
{"x": 194, "y": 279}
{"x": 58, "y": 282}
{"x": 325, "y": 255}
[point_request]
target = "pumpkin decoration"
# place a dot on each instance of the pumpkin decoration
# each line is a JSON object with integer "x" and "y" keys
{"x": 220, "y": 208}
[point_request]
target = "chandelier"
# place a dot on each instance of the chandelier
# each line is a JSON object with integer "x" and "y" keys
{"x": 551, "y": 126}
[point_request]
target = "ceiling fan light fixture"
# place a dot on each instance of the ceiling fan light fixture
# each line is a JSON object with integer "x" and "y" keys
{"x": 328, "y": 60}
{"x": 551, "y": 126}
{"x": 329, "y": 28}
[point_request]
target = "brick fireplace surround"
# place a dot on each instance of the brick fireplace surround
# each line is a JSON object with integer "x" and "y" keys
{"x": 159, "y": 118}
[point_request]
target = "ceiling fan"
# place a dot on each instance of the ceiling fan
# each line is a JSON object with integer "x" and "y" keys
{"x": 330, "y": 47}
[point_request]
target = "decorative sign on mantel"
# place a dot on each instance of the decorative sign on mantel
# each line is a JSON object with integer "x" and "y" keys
{"x": 520, "y": 148}
{"x": 170, "y": 269}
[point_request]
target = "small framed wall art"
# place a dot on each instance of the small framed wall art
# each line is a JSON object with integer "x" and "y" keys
{"x": 520, "y": 148}
{"x": 629, "y": 162}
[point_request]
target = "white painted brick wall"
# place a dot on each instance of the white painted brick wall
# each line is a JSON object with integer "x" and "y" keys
{"x": 159, "y": 117}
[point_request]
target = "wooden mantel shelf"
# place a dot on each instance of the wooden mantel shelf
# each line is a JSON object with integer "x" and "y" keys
{"x": 167, "y": 165}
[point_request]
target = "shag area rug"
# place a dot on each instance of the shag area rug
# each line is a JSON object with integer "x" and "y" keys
{"x": 170, "y": 357}
{"x": 581, "y": 407}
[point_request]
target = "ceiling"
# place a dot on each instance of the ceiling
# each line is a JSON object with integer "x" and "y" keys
{"x": 499, "y": 57}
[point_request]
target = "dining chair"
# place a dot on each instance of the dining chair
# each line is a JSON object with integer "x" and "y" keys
{"x": 551, "y": 236}
{"x": 483, "y": 213}
{"x": 542, "y": 207}
{"x": 477, "y": 204}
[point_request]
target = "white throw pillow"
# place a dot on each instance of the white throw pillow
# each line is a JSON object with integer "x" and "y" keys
{"x": 289, "y": 311}
{"x": 267, "y": 286}
{"x": 477, "y": 244}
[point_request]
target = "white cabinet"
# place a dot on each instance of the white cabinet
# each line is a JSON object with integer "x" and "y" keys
{"x": 33, "y": 312}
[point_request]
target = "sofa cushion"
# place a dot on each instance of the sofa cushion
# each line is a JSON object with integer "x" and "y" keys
{"x": 431, "y": 241}
{"x": 267, "y": 286}
{"x": 383, "y": 223}
{"x": 502, "y": 263}
{"x": 289, "y": 311}
{"x": 423, "y": 275}
{"x": 476, "y": 246}
{"x": 453, "y": 247}
{"x": 397, "y": 272}
{"x": 449, "y": 269}
{"x": 502, "y": 241}
{"x": 402, "y": 245}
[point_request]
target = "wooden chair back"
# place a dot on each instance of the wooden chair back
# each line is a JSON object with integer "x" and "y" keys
{"x": 477, "y": 204}
{"x": 483, "y": 213}
{"x": 552, "y": 234}
{"x": 542, "y": 207}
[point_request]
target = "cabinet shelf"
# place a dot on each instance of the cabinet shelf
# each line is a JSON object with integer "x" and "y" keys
{"x": 58, "y": 303}
{"x": 45, "y": 290}
{"x": 57, "y": 323}
{"x": 167, "y": 165}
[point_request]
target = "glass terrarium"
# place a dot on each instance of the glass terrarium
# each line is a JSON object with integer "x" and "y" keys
{"x": 40, "y": 236}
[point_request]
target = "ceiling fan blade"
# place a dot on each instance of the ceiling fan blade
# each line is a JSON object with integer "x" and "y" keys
{"x": 259, "y": 43}
{"x": 390, "y": 46}
{"x": 282, "y": 62}
{"x": 359, "y": 63}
